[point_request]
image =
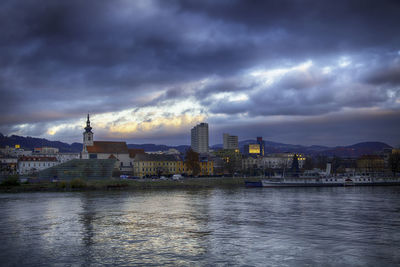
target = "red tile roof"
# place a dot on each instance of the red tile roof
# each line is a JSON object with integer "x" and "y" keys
{"x": 108, "y": 147}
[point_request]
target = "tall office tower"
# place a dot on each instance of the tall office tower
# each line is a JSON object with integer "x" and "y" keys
{"x": 230, "y": 141}
{"x": 199, "y": 140}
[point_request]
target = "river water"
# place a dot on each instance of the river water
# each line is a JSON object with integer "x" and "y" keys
{"x": 354, "y": 226}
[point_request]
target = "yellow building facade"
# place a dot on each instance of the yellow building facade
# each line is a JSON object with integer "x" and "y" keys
{"x": 206, "y": 168}
{"x": 148, "y": 165}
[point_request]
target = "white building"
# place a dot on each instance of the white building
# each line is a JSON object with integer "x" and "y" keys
{"x": 32, "y": 164}
{"x": 273, "y": 161}
{"x": 230, "y": 141}
{"x": 250, "y": 163}
{"x": 276, "y": 162}
{"x": 61, "y": 157}
{"x": 282, "y": 160}
{"x": 199, "y": 138}
{"x": 54, "y": 152}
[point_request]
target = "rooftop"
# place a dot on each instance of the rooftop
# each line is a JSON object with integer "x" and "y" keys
{"x": 108, "y": 147}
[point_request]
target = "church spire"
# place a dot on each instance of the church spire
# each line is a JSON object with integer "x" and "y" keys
{"x": 87, "y": 137}
{"x": 88, "y": 129}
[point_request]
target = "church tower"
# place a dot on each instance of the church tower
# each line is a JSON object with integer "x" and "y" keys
{"x": 87, "y": 136}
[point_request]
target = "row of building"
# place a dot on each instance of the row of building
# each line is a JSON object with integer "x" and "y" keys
{"x": 138, "y": 163}
{"x": 227, "y": 160}
{"x": 16, "y": 160}
{"x": 200, "y": 142}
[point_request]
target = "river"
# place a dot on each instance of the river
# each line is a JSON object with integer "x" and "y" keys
{"x": 352, "y": 226}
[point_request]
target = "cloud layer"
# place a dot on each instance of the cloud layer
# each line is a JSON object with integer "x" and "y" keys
{"x": 150, "y": 70}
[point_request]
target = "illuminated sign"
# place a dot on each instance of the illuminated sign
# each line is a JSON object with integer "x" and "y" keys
{"x": 254, "y": 149}
{"x": 17, "y": 146}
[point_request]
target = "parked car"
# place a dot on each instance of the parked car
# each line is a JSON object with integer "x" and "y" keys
{"x": 176, "y": 177}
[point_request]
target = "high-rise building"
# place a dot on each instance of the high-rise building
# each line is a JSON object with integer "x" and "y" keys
{"x": 199, "y": 138}
{"x": 230, "y": 141}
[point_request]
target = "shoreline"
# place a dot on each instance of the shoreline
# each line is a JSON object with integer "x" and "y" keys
{"x": 115, "y": 184}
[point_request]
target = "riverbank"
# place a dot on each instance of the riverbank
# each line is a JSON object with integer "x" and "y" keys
{"x": 117, "y": 184}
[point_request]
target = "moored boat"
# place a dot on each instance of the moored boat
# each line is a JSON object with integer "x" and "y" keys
{"x": 328, "y": 181}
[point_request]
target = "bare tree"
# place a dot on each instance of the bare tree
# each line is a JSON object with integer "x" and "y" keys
{"x": 192, "y": 161}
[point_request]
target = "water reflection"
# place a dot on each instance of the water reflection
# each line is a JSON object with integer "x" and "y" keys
{"x": 160, "y": 227}
{"x": 285, "y": 227}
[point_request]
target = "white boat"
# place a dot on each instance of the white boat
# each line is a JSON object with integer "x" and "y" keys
{"x": 328, "y": 181}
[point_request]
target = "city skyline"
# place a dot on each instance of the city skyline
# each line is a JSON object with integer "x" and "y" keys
{"x": 149, "y": 71}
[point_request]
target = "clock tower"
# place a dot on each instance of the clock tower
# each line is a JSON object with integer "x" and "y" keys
{"x": 87, "y": 136}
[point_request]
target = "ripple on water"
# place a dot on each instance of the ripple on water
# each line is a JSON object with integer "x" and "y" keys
{"x": 246, "y": 227}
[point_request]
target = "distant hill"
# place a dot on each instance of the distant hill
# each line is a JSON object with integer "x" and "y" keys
{"x": 153, "y": 147}
{"x": 30, "y": 143}
{"x": 355, "y": 150}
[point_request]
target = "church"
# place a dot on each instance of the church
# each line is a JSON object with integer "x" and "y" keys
{"x": 105, "y": 150}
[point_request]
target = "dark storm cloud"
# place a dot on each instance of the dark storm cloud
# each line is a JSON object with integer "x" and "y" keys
{"x": 387, "y": 72}
{"x": 312, "y": 91}
{"x": 330, "y": 24}
{"x": 59, "y": 60}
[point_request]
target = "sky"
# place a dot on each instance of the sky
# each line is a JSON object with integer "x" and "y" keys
{"x": 297, "y": 72}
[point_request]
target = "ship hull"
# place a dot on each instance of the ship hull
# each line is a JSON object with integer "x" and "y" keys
{"x": 328, "y": 182}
